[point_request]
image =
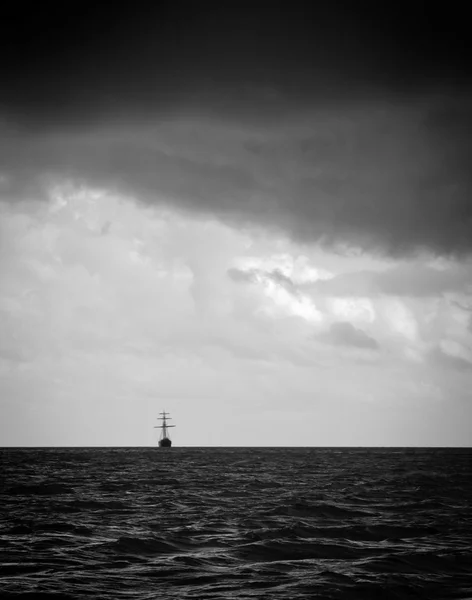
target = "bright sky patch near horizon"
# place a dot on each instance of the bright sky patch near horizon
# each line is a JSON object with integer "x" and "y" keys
{"x": 273, "y": 260}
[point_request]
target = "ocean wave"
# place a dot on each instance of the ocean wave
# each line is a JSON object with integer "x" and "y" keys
{"x": 142, "y": 546}
{"x": 317, "y": 510}
{"x": 283, "y": 550}
{"x": 89, "y": 504}
{"x": 234, "y": 523}
{"x": 40, "y": 489}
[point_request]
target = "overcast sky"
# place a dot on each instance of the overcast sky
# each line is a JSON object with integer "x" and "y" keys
{"x": 258, "y": 219}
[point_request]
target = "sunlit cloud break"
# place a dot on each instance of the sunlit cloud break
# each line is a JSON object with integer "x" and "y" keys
{"x": 106, "y": 302}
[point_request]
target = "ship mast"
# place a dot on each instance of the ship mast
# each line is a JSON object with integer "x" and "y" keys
{"x": 164, "y": 426}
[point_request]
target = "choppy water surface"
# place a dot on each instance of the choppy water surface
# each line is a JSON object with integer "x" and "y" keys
{"x": 145, "y": 523}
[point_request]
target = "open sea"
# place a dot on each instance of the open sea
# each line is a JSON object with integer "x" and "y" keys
{"x": 150, "y": 523}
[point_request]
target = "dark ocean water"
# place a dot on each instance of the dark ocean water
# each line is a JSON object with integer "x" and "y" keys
{"x": 144, "y": 523}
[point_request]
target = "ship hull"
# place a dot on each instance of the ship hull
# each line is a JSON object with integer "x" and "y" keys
{"x": 165, "y": 443}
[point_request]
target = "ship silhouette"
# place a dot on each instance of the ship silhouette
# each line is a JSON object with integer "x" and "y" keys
{"x": 164, "y": 439}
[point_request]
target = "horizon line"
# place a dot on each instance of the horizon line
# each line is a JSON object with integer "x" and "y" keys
{"x": 242, "y": 447}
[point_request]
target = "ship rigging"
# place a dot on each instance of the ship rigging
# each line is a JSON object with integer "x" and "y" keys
{"x": 164, "y": 439}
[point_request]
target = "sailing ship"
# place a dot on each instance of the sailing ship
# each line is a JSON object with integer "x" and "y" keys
{"x": 164, "y": 440}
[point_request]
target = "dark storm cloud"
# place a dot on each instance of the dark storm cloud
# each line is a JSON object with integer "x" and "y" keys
{"x": 95, "y": 59}
{"x": 334, "y": 125}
